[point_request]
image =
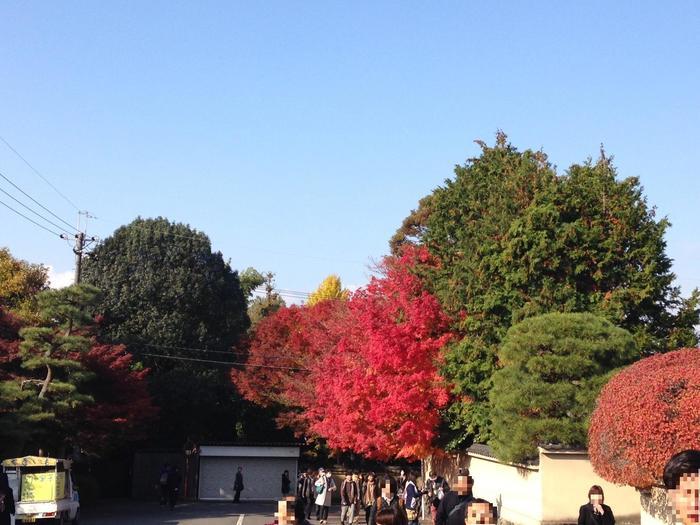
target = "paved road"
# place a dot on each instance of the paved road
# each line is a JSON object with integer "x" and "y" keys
{"x": 121, "y": 512}
{"x": 138, "y": 513}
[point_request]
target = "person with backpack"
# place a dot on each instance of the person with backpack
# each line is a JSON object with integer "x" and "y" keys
{"x": 462, "y": 493}
{"x": 435, "y": 487}
{"x": 7, "y": 500}
{"x": 389, "y": 499}
{"x": 325, "y": 486}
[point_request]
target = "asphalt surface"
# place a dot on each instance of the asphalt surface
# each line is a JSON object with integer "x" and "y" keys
{"x": 197, "y": 513}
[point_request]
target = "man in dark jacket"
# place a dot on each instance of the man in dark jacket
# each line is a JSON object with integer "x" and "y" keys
{"x": 389, "y": 498}
{"x": 308, "y": 494}
{"x": 238, "y": 485}
{"x": 348, "y": 498}
{"x": 462, "y": 492}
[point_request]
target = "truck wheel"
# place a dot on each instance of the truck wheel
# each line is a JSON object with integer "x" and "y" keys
{"x": 61, "y": 520}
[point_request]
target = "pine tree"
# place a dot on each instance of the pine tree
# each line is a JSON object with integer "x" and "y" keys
{"x": 50, "y": 386}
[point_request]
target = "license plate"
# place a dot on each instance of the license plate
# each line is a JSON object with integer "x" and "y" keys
{"x": 28, "y": 520}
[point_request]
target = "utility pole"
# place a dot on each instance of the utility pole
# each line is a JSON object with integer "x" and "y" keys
{"x": 78, "y": 251}
{"x": 80, "y": 245}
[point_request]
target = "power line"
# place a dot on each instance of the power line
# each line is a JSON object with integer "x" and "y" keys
{"x": 204, "y": 350}
{"x": 40, "y": 175}
{"x": 35, "y": 201}
{"x": 35, "y": 212}
{"x": 30, "y": 220}
{"x": 192, "y": 359}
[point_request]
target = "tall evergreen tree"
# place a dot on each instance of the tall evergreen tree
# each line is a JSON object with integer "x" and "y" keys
{"x": 514, "y": 240}
{"x": 168, "y": 296}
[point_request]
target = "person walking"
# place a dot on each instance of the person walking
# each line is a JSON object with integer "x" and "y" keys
{"x": 357, "y": 480}
{"x": 370, "y": 493}
{"x": 308, "y": 493}
{"x": 462, "y": 493}
{"x": 412, "y": 498}
{"x": 325, "y": 486}
{"x": 389, "y": 499}
{"x": 163, "y": 483}
{"x": 595, "y": 512}
{"x": 174, "y": 481}
{"x": 286, "y": 483}
{"x": 238, "y": 485}
{"x": 401, "y": 483}
{"x": 348, "y": 499}
{"x": 7, "y": 500}
{"x": 436, "y": 488}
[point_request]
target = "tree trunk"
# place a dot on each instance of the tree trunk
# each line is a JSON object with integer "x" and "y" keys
{"x": 47, "y": 382}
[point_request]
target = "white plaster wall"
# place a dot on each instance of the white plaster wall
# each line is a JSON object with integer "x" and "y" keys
{"x": 514, "y": 490}
{"x": 566, "y": 479}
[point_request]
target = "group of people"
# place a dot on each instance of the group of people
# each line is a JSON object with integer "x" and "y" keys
{"x": 390, "y": 500}
{"x": 398, "y": 500}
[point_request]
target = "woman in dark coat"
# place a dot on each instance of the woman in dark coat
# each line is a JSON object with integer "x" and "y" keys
{"x": 7, "y": 500}
{"x": 595, "y": 512}
{"x": 286, "y": 483}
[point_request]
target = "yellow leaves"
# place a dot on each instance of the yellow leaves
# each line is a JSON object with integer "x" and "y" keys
{"x": 330, "y": 288}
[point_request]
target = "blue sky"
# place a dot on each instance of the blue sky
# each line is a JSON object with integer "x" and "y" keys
{"x": 299, "y": 134}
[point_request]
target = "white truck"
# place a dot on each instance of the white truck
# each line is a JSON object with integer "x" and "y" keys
{"x": 44, "y": 490}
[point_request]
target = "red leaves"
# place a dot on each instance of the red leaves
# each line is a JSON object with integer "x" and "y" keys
{"x": 644, "y": 415}
{"x": 122, "y": 405}
{"x": 373, "y": 386}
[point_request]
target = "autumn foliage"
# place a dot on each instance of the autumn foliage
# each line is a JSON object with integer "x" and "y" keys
{"x": 644, "y": 415}
{"x": 381, "y": 392}
{"x": 363, "y": 373}
{"x": 282, "y": 360}
{"x": 122, "y": 406}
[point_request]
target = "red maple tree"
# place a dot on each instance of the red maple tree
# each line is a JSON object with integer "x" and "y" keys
{"x": 380, "y": 390}
{"x": 283, "y": 356}
{"x": 122, "y": 406}
{"x": 644, "y": 415}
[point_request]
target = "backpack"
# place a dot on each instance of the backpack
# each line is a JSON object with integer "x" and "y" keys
{"x": 380, "y": 502}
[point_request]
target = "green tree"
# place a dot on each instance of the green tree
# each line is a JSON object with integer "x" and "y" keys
{"x": 262, "y": 306}
{"x": 49, "y": 388}
{"x": 20, "y": 282}
{"x": 553, "y": 367}
{"x": 330, "y": 288}
{"x": 514, "y": 240}
{"x": 168, "y": 297}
